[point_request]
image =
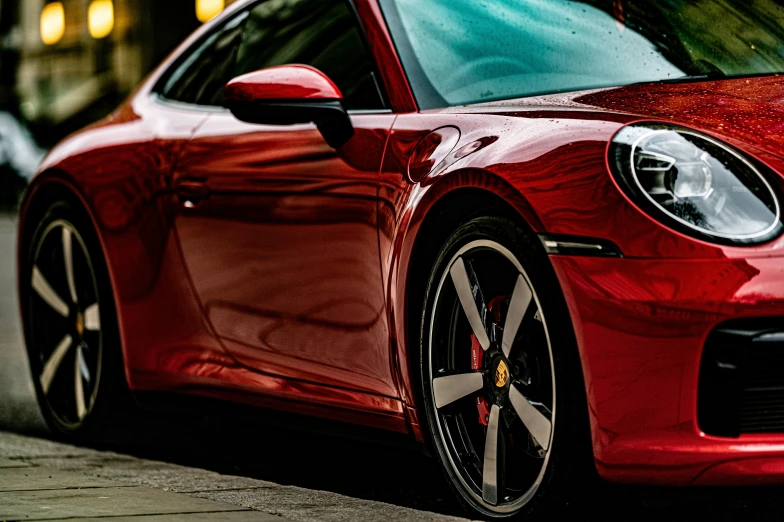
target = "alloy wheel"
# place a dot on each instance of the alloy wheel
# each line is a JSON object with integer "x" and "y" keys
{"x": 65, "y": 324}
{"x": 491, "y": 377}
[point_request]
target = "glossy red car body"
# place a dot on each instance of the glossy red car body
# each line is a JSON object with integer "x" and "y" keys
{"x": 257, "y": 264}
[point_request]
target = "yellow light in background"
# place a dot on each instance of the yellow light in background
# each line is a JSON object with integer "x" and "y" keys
{"x": 100, "y": 18}
{"x": 52, "y": 23}
{"x": 206, "y": 10}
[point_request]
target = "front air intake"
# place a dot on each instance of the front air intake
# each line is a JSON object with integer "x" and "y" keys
{"x": 741, "y": 387}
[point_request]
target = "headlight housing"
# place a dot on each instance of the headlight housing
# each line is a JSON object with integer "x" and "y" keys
{"x": 695, "y": 184}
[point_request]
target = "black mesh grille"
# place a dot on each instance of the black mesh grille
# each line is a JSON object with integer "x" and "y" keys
{"x": 762, "y": 400}
{"x": 741, "y": 387}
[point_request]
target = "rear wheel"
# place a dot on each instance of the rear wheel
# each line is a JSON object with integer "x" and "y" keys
{"x": 501, "y": 391}
{"x": 70, "y": 325}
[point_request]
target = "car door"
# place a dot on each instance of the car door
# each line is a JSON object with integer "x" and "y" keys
{"x": 277, "y": 229}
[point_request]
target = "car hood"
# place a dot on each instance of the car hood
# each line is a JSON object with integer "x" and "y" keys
{"x": 744, "y": 111}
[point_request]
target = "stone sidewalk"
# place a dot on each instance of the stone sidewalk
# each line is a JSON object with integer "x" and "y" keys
{"x": 45, "y": 480}
{"x": 34, "y": 493}
{"x": 30, "y": 492}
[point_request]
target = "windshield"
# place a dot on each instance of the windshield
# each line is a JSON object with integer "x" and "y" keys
{"x": 457, "y": 52}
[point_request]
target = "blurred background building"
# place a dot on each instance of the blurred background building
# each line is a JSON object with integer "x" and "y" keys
{"x": 67, "y": 63}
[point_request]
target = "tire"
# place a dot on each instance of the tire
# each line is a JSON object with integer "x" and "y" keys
{"x": 70, "y": 326}
{"x": 491, "y": 400}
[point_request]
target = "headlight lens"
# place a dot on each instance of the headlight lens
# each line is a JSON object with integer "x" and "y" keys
{"x": 702, "y": 187}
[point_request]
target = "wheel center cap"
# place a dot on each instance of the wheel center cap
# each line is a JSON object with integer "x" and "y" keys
{"x": 80, "y": 323}
{"x": 501, "y": 374}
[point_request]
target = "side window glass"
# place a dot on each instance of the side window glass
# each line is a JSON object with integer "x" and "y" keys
{"x": 201, "y": 78}
{"x": 321, "y": 33}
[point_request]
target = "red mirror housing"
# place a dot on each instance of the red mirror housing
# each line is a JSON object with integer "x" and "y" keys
{"x": 291, "y": 94}
{"x": 285, "y": 82}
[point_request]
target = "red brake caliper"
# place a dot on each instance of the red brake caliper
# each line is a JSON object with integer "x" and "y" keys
{"x": 477, "y": 358}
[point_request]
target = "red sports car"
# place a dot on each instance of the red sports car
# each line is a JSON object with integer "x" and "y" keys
{"x": 536, "y": 235}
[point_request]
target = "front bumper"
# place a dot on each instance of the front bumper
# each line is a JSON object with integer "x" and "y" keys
{"x": 641, "y": 326}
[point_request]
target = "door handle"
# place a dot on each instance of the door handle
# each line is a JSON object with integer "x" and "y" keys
{"x": 191, "y": 193}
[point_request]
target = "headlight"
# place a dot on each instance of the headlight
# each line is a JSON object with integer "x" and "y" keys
{"x": 695, "y": 184}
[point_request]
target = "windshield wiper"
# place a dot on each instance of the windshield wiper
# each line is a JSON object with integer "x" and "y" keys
{"x": 711, "y": 73}
{"x": 693, "y": 78}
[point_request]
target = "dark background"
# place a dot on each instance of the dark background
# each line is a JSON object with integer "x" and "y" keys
{"x": 54, "y": 90}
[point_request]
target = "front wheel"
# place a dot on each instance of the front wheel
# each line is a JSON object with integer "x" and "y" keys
{"x": 500, "y": 372}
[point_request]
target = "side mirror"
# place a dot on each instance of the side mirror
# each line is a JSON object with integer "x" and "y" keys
{"x": 290, "y": 94}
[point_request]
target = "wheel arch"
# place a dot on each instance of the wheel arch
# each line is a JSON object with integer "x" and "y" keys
{"x": 441, "y": 206}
